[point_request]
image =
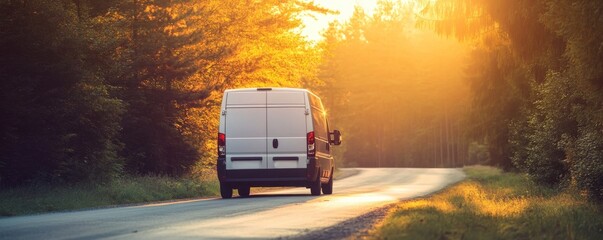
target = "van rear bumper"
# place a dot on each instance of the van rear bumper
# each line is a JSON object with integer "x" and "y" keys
{"x": 274, "y": 177}
{"x": 267, "y": 177}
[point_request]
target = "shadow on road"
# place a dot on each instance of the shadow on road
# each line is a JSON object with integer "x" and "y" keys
{"x": 264, "y": 195}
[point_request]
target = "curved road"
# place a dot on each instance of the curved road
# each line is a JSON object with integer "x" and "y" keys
{"x": 282, "y": 213}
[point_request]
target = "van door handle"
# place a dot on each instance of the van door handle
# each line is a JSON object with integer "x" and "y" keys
{"x": 275, "y": 143}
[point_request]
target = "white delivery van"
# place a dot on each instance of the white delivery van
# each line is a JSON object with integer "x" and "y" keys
{"x": 272, "y": 137}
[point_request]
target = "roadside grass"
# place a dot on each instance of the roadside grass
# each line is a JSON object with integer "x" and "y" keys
{"x": 491, "y": 204}
{"x": 35, "y": 199}
{"x": 127, "y": 190}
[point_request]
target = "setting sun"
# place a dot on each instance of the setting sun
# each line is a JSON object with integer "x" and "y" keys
{"x": 315, "y": 24}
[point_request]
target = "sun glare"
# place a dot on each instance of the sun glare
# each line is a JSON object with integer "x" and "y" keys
{"x": 315, "y": 24}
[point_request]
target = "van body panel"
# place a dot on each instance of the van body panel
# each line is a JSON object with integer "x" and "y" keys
{"x": 286, "y": 98}
{"x": 246, "y": 98}
{"x": 286, "y": 139}
{"x": 245, "y": 129}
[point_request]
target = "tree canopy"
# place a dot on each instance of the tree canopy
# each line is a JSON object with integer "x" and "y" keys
{"x": 537, "y": 77}
{"x": 92, "y": 90}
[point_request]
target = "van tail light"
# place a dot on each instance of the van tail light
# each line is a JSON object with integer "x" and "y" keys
{"x": 311, "y": 144}
{"x": 221, "y": 144}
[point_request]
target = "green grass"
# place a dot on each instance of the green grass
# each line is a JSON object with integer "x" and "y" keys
{"x": 491, "y": 204}
{"x": 127, "y": 190}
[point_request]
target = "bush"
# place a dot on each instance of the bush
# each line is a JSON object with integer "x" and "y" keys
{"x": 561, "y": 141}
{"x": 587, "y": 167}
{"x": 547, "y": 125}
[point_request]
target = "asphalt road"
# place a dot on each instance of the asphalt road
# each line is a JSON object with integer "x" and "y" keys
{"x": 282, "y": 213}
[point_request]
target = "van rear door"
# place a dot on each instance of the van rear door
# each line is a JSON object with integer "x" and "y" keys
{"x": 286, "y": 129}
{"x": 245, "y": 129}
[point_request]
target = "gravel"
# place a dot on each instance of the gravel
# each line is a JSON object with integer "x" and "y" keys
{"x": 355, "y": 228}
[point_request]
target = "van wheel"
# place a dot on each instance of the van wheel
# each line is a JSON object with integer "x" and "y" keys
{"x": 244, "y": 191}
{"x": 328, "y": 188}
{"x": 315, "y": 187}
{"x": 225, "y": 190}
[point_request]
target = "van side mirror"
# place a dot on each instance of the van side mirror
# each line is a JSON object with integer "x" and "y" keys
{"x": 335, "y": 137}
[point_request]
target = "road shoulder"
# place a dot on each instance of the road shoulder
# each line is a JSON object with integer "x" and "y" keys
{"x": 355, "y": 228}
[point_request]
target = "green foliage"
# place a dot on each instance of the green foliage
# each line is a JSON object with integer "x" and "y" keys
{"x": 551, "y": 124}
{"x": 123, "y": 190}
{"x": 498, "y": 84}
{"x": 573, "y": 21}
{"x": 91, "y": 90}
{"x": 552, "y": 66}
{"x": 175, "y": 59}
{"x": 588, "y": 166}
{"x": 150, "y": 71}
{"x": 59, "y": 123}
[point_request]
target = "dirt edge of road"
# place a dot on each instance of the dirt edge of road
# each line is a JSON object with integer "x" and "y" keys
{"x": 356, "y": 228}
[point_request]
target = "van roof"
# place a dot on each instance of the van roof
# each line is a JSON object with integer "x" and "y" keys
{"x": 267, "y": 89}
{"x": 278, "y": 89}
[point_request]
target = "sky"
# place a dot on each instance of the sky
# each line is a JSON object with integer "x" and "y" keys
{"x": 317, "y": 23}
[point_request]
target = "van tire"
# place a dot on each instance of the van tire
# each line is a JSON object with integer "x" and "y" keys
{"x": 225, "y": 190}
{"x": 328, "y": 188}
{"x": 315, "y": 187}
{"x": 244, "y": 191}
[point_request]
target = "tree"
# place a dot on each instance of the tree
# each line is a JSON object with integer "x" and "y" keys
{"x": 59, "y": 122}
{"x": 175, "y": 58}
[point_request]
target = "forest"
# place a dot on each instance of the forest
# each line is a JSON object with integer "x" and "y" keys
{"x": 94, "y": 90}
